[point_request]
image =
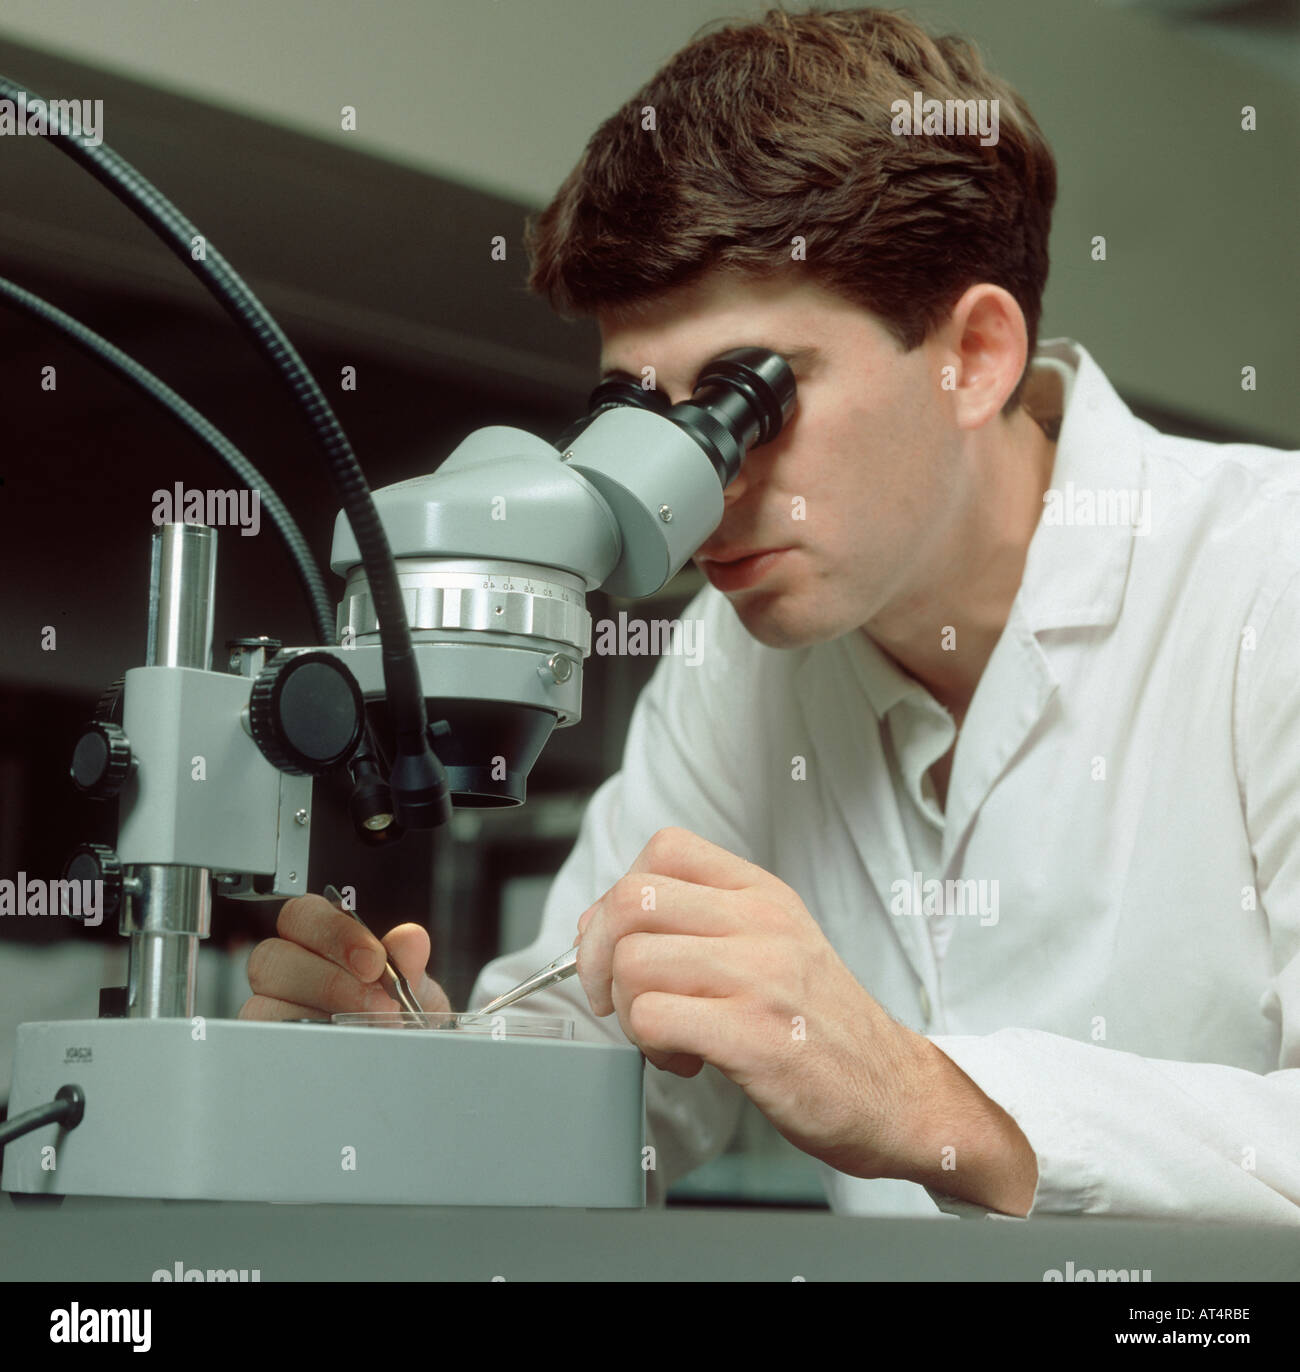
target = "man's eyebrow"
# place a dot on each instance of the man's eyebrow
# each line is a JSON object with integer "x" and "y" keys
{"x": 795, "y": 355}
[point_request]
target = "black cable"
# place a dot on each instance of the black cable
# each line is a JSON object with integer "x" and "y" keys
{"x": 98, "y": 347}
{"x": 67, "y": 1108}
{"x": 419, "y": 783}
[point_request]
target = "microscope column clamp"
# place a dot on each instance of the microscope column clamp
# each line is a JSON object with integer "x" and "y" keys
{"x": 302, "y": 713}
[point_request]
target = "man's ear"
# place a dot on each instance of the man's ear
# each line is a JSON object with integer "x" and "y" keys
{"x": 986, "y": 344}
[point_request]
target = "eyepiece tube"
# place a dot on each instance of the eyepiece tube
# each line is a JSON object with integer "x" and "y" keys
{"x": 741, "y": 400}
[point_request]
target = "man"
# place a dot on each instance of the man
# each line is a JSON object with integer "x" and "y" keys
{"x": 971, "y": 854}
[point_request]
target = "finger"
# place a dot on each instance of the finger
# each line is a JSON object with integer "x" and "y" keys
{"x": 685, "y": 906}
{"x": 687, "y": 857}
{"x": 677, "y": 907}
{"x": 315, "y": 924}
{"x": 679, "y": 1064}
{"x": 287, "y": 971}
{"x": 682, "y": 964}
{"x": 667, "y": 1025}
{"x": 269, "y": 1008}
{"x": 408, "y": 949}
{"x": 679, "y": 853}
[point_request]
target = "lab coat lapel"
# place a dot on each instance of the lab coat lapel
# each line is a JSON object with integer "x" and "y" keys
{"x": 845, "y": 736}
{"x": 1009, "y": 701}
{"x": 1076, "y": 571}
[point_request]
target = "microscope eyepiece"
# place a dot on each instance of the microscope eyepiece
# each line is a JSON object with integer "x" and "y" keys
{"x": 741, "y": 400}
{"x": 623, "y": 390}
{"x": 754, "y": 387}
{"x": 614, "y": 390}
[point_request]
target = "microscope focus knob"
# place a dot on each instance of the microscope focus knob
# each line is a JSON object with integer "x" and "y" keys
{"x": 109, "y": 707}
{"x": 306, "y": 713}
{"x": 97, "y": 862}
{"x": 101, "y": 761}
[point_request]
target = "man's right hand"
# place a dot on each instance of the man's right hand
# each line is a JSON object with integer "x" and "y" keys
{"x": 325, "y": 963}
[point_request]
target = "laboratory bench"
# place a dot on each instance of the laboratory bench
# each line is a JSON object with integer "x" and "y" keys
{"x": 120, "y": 1239}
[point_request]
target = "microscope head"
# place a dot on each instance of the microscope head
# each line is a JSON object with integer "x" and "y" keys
{"x": 497, "y": 549}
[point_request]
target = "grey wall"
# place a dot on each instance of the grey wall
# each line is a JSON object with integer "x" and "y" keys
{"x": 502, "y": 94}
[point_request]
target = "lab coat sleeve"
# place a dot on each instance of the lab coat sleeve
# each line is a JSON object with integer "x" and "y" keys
{"x": 675, "y": 772}
{"x": 1119, "y": 1134}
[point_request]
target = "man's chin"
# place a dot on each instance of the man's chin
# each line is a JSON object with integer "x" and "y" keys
{"x": 777, "y": 622}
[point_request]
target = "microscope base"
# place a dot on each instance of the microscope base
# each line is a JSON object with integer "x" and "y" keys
{"x": 310, "y": 1113}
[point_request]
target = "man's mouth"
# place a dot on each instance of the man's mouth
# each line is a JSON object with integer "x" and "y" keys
{"x": 737, "y": 570}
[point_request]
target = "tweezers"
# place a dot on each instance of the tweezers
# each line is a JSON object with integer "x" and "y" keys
{"x": 392, "y": 980}
{"x": 563, "y": 966}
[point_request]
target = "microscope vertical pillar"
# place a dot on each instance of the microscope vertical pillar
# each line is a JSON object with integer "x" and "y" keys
{"x": 168, "y": 909}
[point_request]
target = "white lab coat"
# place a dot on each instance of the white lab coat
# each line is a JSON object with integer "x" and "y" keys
{"x": 1128, "y": 773}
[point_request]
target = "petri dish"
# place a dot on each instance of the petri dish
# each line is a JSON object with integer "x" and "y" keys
{"x": 515, "y": 1026}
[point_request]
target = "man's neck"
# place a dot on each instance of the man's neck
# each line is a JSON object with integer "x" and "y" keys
{"x": 945, "y": 633}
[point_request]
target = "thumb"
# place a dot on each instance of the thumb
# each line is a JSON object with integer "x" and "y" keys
{"x": 408, "y": 949}
{"x": 679, "y": 1064}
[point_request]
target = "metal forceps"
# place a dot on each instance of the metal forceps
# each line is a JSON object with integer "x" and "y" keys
{"x": 563, "y": 966}
{"x": 393, "y": 981}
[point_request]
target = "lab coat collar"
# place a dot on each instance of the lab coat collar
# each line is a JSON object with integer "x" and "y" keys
{"x": 1076, "y": 569}
{"x": 1075, "y": 572}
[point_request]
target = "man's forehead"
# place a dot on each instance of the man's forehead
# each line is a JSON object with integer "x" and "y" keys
{"x": 681, "y": 331}
{"x": 627, "y": 359}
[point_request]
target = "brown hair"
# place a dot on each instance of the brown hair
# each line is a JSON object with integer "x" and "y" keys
{"x": 765, "y": 131}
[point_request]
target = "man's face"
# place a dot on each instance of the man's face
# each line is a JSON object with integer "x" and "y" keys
{"x": 863, "y": 486}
